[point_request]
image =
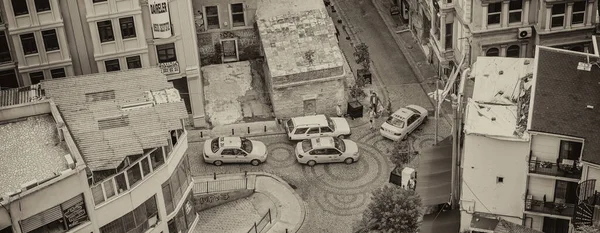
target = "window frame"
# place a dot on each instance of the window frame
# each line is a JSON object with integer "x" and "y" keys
{"x": 166, "y": 48}
{"x": 98, "y": 1}
{"x": 52, "y": 72}
{"x": 48, "y": 43}
{"x": 33, "y": 50}
{"x": 22, "y": 11}
{"x": 449, "y": 35}
{"x": 129, "y": 28}
{"x": 490, "y": 48}
{"x": 208, "y": 26}
{"x": 513, "y": 46}
{"x": 562, "y": 15}
{"x": 106, "y": 32}
{"x": 44, "y": 7}
{"x": 299, "y": 130}
{"x": 494, "y": 14}
{"x": 513, "y": 11}
{"x": 36, "y": 75}
{"x": 107, "y": 65}
{"x": 132, "y": 62}
{"x": 232, "y": 14}
{"x": 582, "y": 13}
{"x": 5, "y": 55}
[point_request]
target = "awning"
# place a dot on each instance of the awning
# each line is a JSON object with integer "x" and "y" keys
{"x": 435, "y": 173}
{"x": 444, "y": 222}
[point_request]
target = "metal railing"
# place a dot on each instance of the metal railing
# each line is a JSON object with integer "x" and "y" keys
{"x": 215, "y": 185}
{"x": 260, "y": 225}
{"x": 553, "y": 208}
{"x": 553, "y": 169}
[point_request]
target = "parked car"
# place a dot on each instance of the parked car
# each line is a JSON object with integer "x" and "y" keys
{"x": 306, "y": 127}
{"x": 234, "y": 150}
{"x": 403, "y": 122}
{"x": 326, "y": 150}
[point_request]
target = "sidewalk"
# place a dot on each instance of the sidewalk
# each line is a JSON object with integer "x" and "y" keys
{"x": 260, "y": 128}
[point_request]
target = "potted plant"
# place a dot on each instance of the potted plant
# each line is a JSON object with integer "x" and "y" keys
{"x": 402, "y": 155}
{"x": 355, "y": 108}
{"x": 361, "y": 54}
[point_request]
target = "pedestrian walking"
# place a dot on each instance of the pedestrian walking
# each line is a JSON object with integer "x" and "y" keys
{"x": 338, "y": 110}
{"x": 374, "y": 100}
{"x": 372, "y": 117}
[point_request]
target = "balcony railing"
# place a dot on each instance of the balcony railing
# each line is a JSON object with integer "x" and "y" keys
{"x": 552, "y": 208}
{"x": 553, "y": 169}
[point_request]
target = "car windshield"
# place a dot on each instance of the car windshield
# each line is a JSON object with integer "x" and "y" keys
{"x": 395, "y": 121}
{"x": 246, "y": 145}
{"x": 306, "y": 145}
{"x": 214, "y": 145}
{"x": 330, "y": 123}
{"x": 339, "y": 144}
{"x": 290, "y": 125}
{"x": 413, "y": 110}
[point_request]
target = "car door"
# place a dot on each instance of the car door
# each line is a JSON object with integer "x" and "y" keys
{"x": 326, "y": 132}
{"x": 228, "y": 156}
{"x": 240, "y": 156}
{"x": 313, "y": 132}
{"x": 318, "y": 155}
{"x": 412, "y": 123}
{"x": 335, "y": 156}
{"x": 300, "y": 133}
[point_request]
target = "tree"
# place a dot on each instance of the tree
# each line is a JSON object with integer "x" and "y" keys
{"x": 392, "y": 209}
{"x": 402, "y": 153}
{"x": 587, "y": 229}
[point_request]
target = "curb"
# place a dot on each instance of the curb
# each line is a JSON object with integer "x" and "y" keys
{"x": 248, "y": 135}
{"x": 413, "y": 65}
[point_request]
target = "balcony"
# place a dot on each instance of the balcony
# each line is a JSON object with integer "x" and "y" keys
{"x": 566, "y": 169}
{"x": 549, "y": 208}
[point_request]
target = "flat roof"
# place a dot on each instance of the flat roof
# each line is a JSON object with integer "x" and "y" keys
{"x": 117, "y": 114}
{"x": 562, "y": 94}
{"x": 501, "y": 90}
{"x": 30, "y": 150}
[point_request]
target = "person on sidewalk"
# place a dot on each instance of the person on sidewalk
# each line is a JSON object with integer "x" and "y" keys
{"x": 374, "y": 100}
{"x": 372, "y": 118}
{"x": 338, "y": 110}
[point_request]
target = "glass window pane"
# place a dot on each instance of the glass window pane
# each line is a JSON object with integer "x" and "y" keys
{"x": 514, "y": 17}
{"x": 121, "y": 184}
{"x": 134, "y": 174}
{"x": 238, "y": 7}
{"x": 212, "y": 10}
{"x": 128, "y": 221}
{"x": 515, "y": 5}
{"x": 557, "y": 21}
{"x": 109, "y": 188}
{"x": 151, "y": 207}
{"x": 172, "y": 226}
{"x": 146, "y": 166}
{"x": 168, "y": 197}
{"x": 579, "y": 6}
{"x": 558, "y": 9}
{"x": 97, "y": 194}
{"x": 495, "y": 7}
{"x": 157, "y": 158}
{"x": 115, "y": 226}
{"x": 140, "y": 214}
{"x": 180, "y": 218}
{"x": 182, "y": 177}
{"x": 578, "y": 18}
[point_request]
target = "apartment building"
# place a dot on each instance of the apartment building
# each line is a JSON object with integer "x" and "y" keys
{"x": 495, "y": 145}
{"x": 449, "y": 29}
{"x": 54, "y": 39}
{"x": 37, "y": 32}
{"x": 8, "y": 64}
{"x": 109, "y": 153}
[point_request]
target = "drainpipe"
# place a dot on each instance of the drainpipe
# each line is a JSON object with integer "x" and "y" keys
{"x": 456, "y": 152}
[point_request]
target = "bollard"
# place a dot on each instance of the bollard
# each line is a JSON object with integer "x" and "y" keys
{"x": 248, "y": 129}
{"x": 214, "y": 175}
{"x": 201, "y": 134}
{"x": 265, "y": 128}
{"x": 232, "y": 131}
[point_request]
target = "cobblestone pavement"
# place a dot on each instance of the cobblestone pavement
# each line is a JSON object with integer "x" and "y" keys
{"x": 336, "y": 194}
{"x": 220, "y": 218}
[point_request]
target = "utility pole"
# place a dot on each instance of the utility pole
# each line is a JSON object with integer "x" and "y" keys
{"x": 437, "y": 109}
{"x": 458, "y": 108}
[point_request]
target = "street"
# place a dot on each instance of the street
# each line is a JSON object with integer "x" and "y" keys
{"x": 336, "y": 194}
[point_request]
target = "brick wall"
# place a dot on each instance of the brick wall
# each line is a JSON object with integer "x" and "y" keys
{"x": 289, "y": 102}
{"x": 248, "y": 44}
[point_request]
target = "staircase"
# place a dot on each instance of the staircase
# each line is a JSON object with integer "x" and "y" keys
{"x": 586, "y": 201}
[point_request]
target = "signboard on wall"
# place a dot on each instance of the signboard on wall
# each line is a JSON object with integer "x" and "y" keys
{"x": 159, "y": 16}
{"x": 75, "y": 214}
{"x": 169, "y": 67}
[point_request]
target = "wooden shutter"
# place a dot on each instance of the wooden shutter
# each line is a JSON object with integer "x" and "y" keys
{"x": 41, "y": 219}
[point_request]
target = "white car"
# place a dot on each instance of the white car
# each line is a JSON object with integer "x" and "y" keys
{"x": 234, "y": 150}
{"x": 403, "y": 122}
{"x": 300, "y": 128}
{"x": 326, "y": 150}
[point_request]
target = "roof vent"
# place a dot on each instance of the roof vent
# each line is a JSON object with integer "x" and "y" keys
{"x": 501, "y": 72}
{"x": 590, "y": 107}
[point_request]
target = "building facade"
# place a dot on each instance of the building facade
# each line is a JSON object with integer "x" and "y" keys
{"x": 54, "y": 39}
{"x": 144, "y": 186}
{"x": 8, "y": 64}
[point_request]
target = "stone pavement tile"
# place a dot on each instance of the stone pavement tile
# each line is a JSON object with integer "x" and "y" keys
{"x": 232, "y": 217}
{"x": 289, "y": 214}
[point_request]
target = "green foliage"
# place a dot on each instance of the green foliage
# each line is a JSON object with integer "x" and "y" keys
{"x": 402, "y": 153}
{"x": 392, "y": 209}
{"x": 357, "y": 92}
{"x": 587, "y": 229}
{"x": 362, "y": 56}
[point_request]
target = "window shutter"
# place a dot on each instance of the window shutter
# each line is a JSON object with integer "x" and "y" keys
{"x": 73, "y": 201}
{"x": 41, "y": 219}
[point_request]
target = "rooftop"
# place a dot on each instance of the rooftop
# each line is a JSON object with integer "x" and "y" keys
{"x": 498, "y": 225}
{"x": 30, "y": 151}
{"x": 230, "y": 142}
{"x": 322, "y": 142}
{"x": 498, "y": 107}
{"x": 299, "y": 39}
{"x": 565, "y": 100}
{"x": 310, "y": 120}
{"x": 117, "y": 114}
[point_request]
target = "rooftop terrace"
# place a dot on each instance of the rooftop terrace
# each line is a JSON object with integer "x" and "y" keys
{"x": 30, "y": 150}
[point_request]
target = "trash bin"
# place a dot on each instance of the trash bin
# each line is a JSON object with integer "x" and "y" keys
{"x": 355, "y": 109}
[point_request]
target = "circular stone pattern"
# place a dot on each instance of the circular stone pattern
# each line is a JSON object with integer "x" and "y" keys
{"x": 424, "y": 141}
{"x": 342, "y": 204}
{"x": 281, "y": 154}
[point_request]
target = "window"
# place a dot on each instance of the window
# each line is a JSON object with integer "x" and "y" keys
{"x": 42, "y": 5}
{"x": 558, "y": 15}
{"x": 570, "y": 150}
{"x": 127, "y": 27}
{"x": 28, "y": 43}
{"x": 314, "y": 130}
{"x": 492, "y": 52}
{"x": 134, "y": 62}
{"x": 301, "y": 130}
{"x": 166, "y": 53}
{"x": 50, "y": 40}
{"x": 326, "y": 129}
{"x": 494, "y": 11}
{"x": 139, "y": 220}
{"x": 4, "y": 51}
{"x": 19, "y": 7}
{"x": 499, "y": 179}
{"x": 36, "y": 77}
{"x": 112, "y": 65}
{"x": 97, "y": 1}
{"x": 59, "y": 218}
{"x": 449, "y": 30}
{"x": 212, "y": 17}
{"x": 515, "y": 10}
{"x": 157, "y": 158}
{"x": 8, "y": 79}
{"x": 578, "y": 12}
{"x": 177, "y": 184}
{"x": 58, "y": 73}
{"x": 105, "y": 31}
{"x": 513, "y": 51}
{"x": 237, "y": 15}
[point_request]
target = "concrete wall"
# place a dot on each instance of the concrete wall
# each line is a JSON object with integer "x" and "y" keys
{"x": 79, "y": 36}
{"x": 484, "y": 160}
{"x": 547, "y": 147}
{"x": 538, "y": 187}
{"x": 206, "y": 201}
{"x": 24, "y": 110}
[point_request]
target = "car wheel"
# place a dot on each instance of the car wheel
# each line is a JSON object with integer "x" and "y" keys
{"x": 311, "y": 163}
{"x": 255, "y": 162}
{"x": 218, "y": 163}
{"x": 349, "y": 160}
{"x": 341, "y": 136}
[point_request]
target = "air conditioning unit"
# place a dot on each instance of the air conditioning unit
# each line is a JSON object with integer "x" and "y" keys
{"x": 524, "y": 33}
